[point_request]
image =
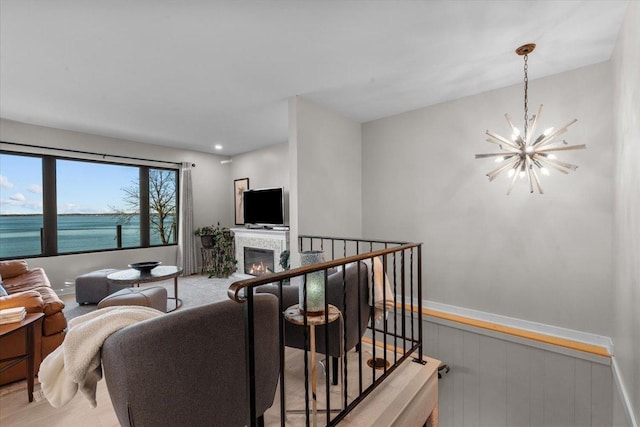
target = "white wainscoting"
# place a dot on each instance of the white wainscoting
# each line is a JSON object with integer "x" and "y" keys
{"x": 499, "y": 379}
{"x": 496, "y": 382}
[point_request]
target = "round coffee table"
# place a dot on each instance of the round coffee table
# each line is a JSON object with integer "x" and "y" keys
{"x": 135, "y": 278}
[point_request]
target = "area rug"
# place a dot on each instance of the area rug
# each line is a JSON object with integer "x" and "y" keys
{"x": 192, "y": 290}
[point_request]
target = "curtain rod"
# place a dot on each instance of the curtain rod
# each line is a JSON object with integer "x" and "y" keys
{"x": 104, "y": 155}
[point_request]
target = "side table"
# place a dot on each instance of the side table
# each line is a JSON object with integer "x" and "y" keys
{"x": 293, "y": 315}
{"x": 28, "y": 323}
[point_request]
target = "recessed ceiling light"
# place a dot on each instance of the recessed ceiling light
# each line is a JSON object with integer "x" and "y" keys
{"x": 218, "y": 147}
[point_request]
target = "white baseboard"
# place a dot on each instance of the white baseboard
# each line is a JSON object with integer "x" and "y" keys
{"x": 624, "y": 397}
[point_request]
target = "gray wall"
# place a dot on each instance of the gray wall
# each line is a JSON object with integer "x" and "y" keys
{"x": 211, "y": 189}
{"x": 329, "y": 172}
{"x": 626, "y": 252}
{"x": 544, "y": 258}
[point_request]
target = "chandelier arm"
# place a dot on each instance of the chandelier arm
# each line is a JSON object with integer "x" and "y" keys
{"x": 565, "y": 148}
{"x": 515, "y": 176}
{"x": 483, "y": 156}
{"x": 548, "y": 162}
{"x": 515, "y": 130}
{"x": 552, "y": 135}
{"x": 506, "y": 116}
{"x": 532, "y": 128}
{"x": 497, "y": 171}
{"x": 537, "y": 179}
{"x": 512, "y": 148}
{"x": 502, "y": 139}
{"x": 562, "y": 164}
{"x": 527, "y": 161}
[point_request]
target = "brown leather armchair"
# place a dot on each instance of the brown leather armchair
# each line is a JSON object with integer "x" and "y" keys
{"x": 30, "y": 288}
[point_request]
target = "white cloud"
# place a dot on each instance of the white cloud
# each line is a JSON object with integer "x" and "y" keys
{"x": 71, "y": 208}
{"x": 4, "y": 182}
{"x": 15, "y": 206}
{"x": 33, "y": 206}
{"x": 67, "y": 208}
{"x": 18, "y": 197}
{"x": 35, "y": 188}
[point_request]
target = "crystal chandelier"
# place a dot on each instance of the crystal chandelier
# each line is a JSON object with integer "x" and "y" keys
{"x": 522, "y": 155}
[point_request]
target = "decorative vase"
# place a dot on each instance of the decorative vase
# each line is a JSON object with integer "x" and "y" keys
{"x": 314, "y": 285}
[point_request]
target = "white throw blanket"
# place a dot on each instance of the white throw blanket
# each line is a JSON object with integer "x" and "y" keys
{"x": 379, "y": 288}
{"x": 76, "y": 363}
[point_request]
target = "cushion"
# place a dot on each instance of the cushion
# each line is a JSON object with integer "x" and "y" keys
{"x": 3, "y": 292}
{"x": 13, "y": 268}
{"x": 154, "y": 297}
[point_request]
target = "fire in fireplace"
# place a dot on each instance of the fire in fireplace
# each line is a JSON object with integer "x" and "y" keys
{"x": 258, "y": 261}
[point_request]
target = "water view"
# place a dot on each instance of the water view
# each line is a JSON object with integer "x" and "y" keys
{"x": 20, "y": 234}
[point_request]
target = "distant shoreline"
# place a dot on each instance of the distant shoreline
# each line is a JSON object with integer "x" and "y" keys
{"x": 76, "y": 214}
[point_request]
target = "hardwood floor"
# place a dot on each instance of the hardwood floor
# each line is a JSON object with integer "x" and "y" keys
{"x": 16, "y": 411}
{"x": 409, "y": 381}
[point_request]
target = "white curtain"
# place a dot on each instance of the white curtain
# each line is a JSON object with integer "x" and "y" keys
{"x": 186, "y": 241}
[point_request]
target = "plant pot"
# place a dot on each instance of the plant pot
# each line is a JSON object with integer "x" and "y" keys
{"x": 207, "y": 241}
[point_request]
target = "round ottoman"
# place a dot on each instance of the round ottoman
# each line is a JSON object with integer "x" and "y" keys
{"x": 155, "y": 297}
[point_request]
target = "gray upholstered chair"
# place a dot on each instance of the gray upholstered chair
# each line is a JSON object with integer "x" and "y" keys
{"x": 357, "y": 288}
{"x": 188, "y": 367}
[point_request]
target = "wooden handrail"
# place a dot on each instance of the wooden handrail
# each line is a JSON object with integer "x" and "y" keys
{"x": 353, "y": 239}
{"x": 517, "y": 332}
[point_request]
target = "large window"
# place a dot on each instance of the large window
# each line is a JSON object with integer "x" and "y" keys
{"x": 83, "y": 206}
{"x": 91, "y": 200}
{"x": 20, "y": 205}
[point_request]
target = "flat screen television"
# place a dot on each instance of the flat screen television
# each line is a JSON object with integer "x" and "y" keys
{"x": 264, "y": 206}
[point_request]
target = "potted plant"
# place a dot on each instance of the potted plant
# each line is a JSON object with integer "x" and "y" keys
{"x": 284, "y": 263}
{"x": 218, "y": 260}
{"x": 284, "y": 260}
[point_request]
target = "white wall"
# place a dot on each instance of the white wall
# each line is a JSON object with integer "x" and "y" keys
{"x": 544, "y": 258}
{"x": 626, "y": 251}
{"x": 329, "y": 171}
{"x": 211, "y": 184}
{"x": 266, "y": 167}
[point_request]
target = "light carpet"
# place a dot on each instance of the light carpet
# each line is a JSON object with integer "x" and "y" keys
{"x": 192, "y": 290}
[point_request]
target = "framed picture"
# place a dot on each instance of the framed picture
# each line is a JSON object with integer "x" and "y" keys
{"x": 239, "y": 186}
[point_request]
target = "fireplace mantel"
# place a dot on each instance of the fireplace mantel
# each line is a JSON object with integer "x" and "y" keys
{"x": 275, "y": 240}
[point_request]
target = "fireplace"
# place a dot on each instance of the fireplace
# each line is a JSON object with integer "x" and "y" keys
{"x": 266, "y": 241}
{"x": 258, "y": 261}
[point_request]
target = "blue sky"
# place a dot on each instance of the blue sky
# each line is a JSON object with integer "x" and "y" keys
{"x": 83, "y": 187}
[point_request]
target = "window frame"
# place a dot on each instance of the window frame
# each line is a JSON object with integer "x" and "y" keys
{"x": 49, "y": 237}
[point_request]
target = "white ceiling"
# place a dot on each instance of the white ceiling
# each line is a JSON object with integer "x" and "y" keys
{"x": 193, "y": 74}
